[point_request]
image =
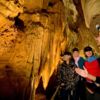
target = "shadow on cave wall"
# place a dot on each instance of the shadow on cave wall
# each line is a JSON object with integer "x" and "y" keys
{"x": 12, "y": 85}
{"x": 51, "y": 88}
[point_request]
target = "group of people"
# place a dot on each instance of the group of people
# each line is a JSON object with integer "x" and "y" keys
{"x": 78, "y": 78}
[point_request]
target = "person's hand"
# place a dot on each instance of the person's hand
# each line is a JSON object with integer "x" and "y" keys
{"x": 62, "y": 84}
{"x": 82, "y": 72}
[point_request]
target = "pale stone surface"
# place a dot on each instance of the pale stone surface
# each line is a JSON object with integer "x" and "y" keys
{"x": 91, "y": 9}
{"x": 10, "y": 8}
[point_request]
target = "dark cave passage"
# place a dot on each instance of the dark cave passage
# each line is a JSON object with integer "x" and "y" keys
{"x": 15, "y": 87}
{"x": 12, "y": 85}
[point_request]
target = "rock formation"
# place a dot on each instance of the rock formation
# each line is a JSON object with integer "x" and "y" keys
{"x": 33, "y": 33}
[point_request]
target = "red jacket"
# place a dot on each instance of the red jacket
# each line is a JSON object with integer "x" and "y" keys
{"x": 93, "y": 67}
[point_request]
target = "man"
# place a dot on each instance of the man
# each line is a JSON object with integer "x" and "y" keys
{"x": 98, "y": 37}
{"x": 79, "y": 61}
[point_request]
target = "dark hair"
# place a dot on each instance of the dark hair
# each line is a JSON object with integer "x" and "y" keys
{"x": 75, "y": 49}
{"x": 67, "y": 53}
{"x": 88, "y": 48}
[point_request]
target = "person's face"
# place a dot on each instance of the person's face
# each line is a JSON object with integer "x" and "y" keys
{"x": 66, "y": 57}
{"x": 88, "y": 53}
{"x": 75, "y": 54}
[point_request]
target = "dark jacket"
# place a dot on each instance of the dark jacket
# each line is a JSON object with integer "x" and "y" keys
{"x": 66, "y": 75}
{"x": 97, "y": 80}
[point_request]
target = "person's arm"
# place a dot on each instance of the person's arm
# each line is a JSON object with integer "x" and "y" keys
{"x": 95, "y": 79}
{"x": 91, "y": 77}
{"x": 84, "y": 73}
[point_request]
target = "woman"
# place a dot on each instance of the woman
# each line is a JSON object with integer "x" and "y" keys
{"x": 67, "y": 78}
{"x": 93, "y": 67}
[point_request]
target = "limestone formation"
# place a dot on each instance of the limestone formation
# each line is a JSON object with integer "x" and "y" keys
{"x": 34, "y": 33}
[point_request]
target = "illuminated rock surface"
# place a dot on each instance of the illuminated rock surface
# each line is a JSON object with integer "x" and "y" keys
{"x": 33, "y": 33}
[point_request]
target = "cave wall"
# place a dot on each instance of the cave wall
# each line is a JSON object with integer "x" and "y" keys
{"x": 34, "y": 33}
{"x": 91, "y": 10}
{"x": 32, "y": 36}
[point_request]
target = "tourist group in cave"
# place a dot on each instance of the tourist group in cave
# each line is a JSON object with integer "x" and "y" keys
{"x": 78, "y": 78}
